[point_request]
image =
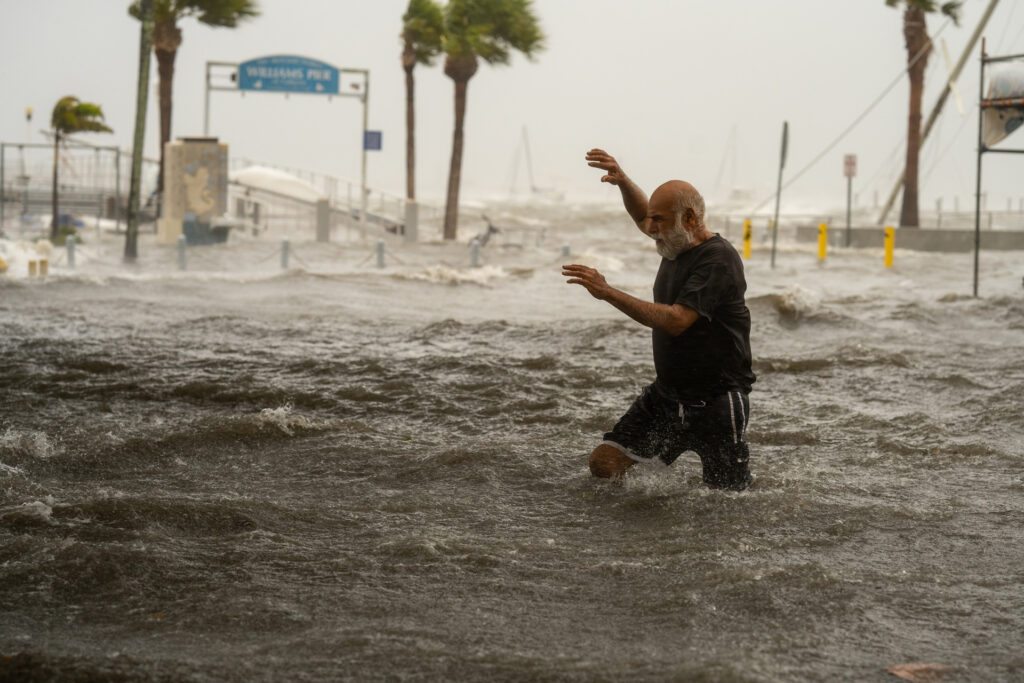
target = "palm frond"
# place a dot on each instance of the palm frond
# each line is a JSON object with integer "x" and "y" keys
{"x": 423, "y": 30}
{"x": 224, "y": 13}
{"x": 218, "y": 13}
{"x": 73, "y": 116}
{"x": 492, "y": 29}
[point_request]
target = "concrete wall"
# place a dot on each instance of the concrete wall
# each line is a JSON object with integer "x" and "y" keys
{"x": 195, "y": 183}
{"x": 919, "y": 239}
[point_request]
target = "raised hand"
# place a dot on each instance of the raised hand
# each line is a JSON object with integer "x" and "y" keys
{"x": 598, "y": 158}
{"x": 589, "y": 278}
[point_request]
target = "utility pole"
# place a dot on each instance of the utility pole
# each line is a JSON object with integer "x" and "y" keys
{"x": 778, "y": 188}
{"x": 131, "y": 241}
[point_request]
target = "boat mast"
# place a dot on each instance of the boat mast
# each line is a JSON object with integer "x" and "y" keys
{"x": 529, "y": 161}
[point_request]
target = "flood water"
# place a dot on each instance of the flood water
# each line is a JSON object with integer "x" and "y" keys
{"x": 341, "y": 471}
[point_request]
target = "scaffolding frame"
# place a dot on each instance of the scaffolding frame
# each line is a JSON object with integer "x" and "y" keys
{"x": 69, "y": 144}
{"x": 983, "y": 104}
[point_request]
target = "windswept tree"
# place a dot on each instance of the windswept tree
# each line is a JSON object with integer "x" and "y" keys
{"x": 167, "y": 40}
{"x": 71, "y": 116}
{"x": 919, "y": 47}
{"x": 475, "y": 30}
{"x": 422, "y": 31}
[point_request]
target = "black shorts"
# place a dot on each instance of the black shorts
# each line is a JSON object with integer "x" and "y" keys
{"x": 656, "y": 427}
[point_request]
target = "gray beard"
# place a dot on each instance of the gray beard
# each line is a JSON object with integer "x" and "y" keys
{"x": 675, "y": 242}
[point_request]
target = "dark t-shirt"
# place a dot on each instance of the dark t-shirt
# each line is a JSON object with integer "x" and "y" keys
{"x": 713, "y": 355}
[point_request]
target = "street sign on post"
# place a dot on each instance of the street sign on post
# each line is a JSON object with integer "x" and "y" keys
{"x": 288, "y": 73}
{"x": 778, "y": 188}
{"x": 849, "y": 170}
{"x": 850, "y": 165}
{"x": 372, "y": 140}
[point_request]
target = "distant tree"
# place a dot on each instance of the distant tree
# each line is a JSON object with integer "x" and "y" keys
{"x": 422, "y": 31}
{"x": 167, "y": 40}
{"x": 71, "y": 116}
{"x": 475, "y": 30}
{"x": 919, "y": 46}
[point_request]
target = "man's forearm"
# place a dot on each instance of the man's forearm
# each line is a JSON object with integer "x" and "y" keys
{"x": 670, "y": 319}
{"x": 634, "y": 199}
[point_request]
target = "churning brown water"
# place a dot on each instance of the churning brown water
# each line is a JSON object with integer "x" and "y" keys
{"x": 344, "y": 472}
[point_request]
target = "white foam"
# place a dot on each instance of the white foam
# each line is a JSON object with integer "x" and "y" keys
{"x": 17, "y": 254}
{"x": 799, "y": 302}
{"x": 599, "y": 261}
{"x": 283, "y": 419}
{"x": 8, "y": 469}
{"x": 455, "y": 276}
{"x": 36, "y": 508}
{"x": 27, "y": 442}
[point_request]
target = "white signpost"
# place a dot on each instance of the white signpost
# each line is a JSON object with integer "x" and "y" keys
{"x": 849, "y": 170}
{"x": 850, "y": 165}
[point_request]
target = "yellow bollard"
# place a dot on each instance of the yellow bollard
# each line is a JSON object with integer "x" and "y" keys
{"x": 44, "y": 267}
{"x": 822, "y": 240}
{"x": 3, "y": 265}
{"x": 890, "y": 242}
{"x": 748, "y": 235}
{"x": 32, "y": 268}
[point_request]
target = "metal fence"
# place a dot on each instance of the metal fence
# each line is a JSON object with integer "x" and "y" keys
{"x": 93, "y": 181}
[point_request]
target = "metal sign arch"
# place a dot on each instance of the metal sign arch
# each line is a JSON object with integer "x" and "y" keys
{"x": 291, "y": 74}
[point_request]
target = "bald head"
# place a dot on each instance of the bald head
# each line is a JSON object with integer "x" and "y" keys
{"x": 682, "y": 199}
{"x": 677, "y": 187}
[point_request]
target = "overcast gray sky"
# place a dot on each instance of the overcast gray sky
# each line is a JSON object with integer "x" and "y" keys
{"x": 662, "y": 84}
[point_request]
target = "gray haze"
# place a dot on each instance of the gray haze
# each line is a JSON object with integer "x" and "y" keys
{"x": 661, "y": 83}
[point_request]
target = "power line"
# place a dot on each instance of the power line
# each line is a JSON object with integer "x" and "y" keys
{"x": 828, "y": 148}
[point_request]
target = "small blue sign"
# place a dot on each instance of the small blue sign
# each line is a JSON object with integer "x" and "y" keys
{"x": 288, "y": 73}
{"x": 372, "y": 140}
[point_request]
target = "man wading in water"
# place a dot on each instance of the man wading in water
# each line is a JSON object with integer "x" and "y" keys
{"x": 701, "y": 332}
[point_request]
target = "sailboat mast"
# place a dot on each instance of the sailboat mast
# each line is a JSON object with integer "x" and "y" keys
{"x": 529, "y": 160}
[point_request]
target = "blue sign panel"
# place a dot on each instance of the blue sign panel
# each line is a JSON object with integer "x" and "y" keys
{"x": 288, "y": 73}
{"x": 372, "y": 140}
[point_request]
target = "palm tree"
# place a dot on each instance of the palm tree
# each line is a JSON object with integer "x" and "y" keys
{"x": 131, "y": 239}
{"x": 422, "y": 30}
{"x": 919, "y": 46}
{"x": 474, "y": 30}
{"x": 167, "y": 40}
{"x": 71, "y": 116}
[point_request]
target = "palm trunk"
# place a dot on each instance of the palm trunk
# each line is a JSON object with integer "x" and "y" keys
{"x": 53, "y": 198}
{"x": 915, "y": 33}
{"x": 165, "y": 67}
{"x": 166, "y": 41}
{"x": 410, "y": 135}
{"x": 451, "y": 211}
{"x": 131, "y": 248}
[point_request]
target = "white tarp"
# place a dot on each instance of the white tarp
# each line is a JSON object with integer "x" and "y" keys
{"x": 273, "y": 180}
{"x": 1007, "y": 82}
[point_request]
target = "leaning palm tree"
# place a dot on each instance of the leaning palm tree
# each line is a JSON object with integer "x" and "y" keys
{"x": 919, "y": 46}
{"x": 422, "y": 29}
{"x": 167, "y": 40}
{"x": 71, "y": 116}
{"x": 475, "y": 30}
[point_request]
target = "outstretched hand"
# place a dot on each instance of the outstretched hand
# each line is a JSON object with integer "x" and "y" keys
{"x": 589, "y": 278}
{"x": 598, "y": 158}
